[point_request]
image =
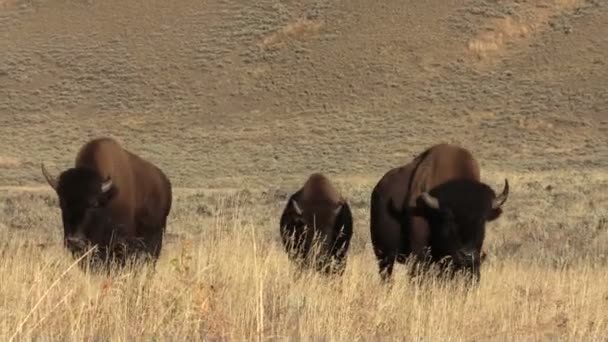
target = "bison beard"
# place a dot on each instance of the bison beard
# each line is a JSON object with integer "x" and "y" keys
{"x": 112, "y": 245}
{"x": 316, "y": 227}
{"x": 310, "y": 248}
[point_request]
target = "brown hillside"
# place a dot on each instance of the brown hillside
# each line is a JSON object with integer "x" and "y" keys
{"x": 218, "y": 92}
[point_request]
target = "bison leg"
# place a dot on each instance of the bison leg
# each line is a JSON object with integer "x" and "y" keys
{"x": 386, "y": 259}
{"x": 387, "y": 256}
{"x": 419, "y": 236}
{"x": 295, "y": 246}
{"x": 339, "y": 250}
{"x": 152, "y": 229}
{"x": 156, "y": 244}
{"x": 385, "y": 265}
{"x": 339, "y": 267}
{"x": 340, "y": 260}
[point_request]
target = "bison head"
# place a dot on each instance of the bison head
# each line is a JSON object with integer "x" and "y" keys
{"x": 457, "y": 212}
{"x": 83, "y": 198}
{"x": 311, "y": 225}
{"x": 320, "y": 215}
{"x": 318, "y": 204}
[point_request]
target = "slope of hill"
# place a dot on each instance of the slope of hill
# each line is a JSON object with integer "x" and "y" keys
{"x": 219, "y": 92}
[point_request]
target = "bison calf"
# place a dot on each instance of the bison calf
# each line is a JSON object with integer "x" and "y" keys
{"x": 316, "y": 226}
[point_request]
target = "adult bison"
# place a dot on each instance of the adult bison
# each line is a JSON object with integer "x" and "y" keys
{"x": 316, "y": 226}
{"x": 113, "y": 199}
{"x": 435, "y": 208}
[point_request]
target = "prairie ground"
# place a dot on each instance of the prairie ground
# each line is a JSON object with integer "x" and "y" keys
{"x": 239, "y": 101}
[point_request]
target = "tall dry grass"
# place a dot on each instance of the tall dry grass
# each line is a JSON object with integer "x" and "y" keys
{"x": 237, "y": 286}
{"x": 223, "y": 274}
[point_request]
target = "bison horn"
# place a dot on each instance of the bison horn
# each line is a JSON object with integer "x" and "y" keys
{"x": 106, "y": 185}
{"x": 50, "y": 179}
{"x": 297, "y": 207}
{"x": 502, "y": 198}
{"x": 431, "y": 201}
{"x": 338, "y": 209}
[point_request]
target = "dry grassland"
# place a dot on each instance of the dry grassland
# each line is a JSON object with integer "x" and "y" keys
{"x": 223, "y": 274}
{"x": 238, "y": 101}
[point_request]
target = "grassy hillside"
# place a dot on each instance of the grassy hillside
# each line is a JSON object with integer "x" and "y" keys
{"x": 238, "y": 101}
{"x": 278, "y": 89}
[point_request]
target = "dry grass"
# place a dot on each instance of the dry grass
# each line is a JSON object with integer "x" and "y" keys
{"x": 223, "y": 274}
{"x": 224, "y": 286}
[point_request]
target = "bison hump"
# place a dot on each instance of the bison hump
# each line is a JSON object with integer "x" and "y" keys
{"x": 319, "y": 188}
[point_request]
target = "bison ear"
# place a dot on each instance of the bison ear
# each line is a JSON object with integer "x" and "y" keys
{"x": 108, "y": 191}
{"x": 338, "y": 209}
{"x": 426, "y": 204}
{"x": 502, "y": 198}
{"x": 50, "y": 179}
{"x": 494, "y": 214}
{"x": 482, "y": 256}
{"x": 429, "y": 201}
{"x": 296, "y": 207}
{"x": 417, "y": 210}
{"x": 106, "y": 185}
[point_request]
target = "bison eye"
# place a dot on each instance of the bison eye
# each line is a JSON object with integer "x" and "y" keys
{"x": 448, "y": 216}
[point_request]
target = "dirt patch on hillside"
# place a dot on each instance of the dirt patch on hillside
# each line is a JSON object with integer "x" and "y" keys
{"x": 529, "y": 19}
{"x": 300, "y": 29}
{"x": 6, "y": 4}
{"x": 9, "y": 162}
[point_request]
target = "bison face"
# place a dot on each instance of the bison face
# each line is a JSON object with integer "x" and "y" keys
{"x": 83, "y": 198}
{"x": 312, "y": 223}
{"x": 321, "y": 216}
{"x": 457, "y": 212}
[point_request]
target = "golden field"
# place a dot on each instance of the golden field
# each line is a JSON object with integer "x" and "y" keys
{"x": 239, "y": 101}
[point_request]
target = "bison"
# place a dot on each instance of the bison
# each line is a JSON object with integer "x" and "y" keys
{"x": 112, "y": 199}
{"x": 435, "y": 209}
{"x": 316, "y": 226}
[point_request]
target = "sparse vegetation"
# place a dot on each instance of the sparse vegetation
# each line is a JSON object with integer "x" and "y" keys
{"x": 200, "y": 89}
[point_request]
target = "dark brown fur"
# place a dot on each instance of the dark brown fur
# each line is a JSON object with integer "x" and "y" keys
{"x": 133, "y": 211}
{"x": 399, "y": 226}
{"x": 319, "y": 209}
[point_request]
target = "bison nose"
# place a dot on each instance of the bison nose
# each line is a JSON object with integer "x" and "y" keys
{"x": 468, "y": 256}
{"x": 75, "y": 241}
